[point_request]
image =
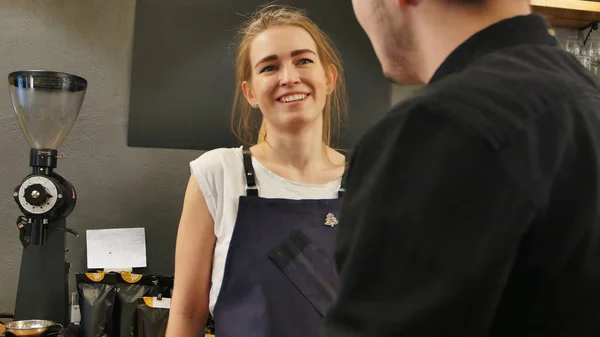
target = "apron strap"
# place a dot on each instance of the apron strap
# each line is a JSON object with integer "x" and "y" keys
{"x": 251, "y": 188}
{"x": 342, "y": 187}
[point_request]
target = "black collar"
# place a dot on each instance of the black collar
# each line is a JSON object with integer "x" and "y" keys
{"x": 523, "y": 29}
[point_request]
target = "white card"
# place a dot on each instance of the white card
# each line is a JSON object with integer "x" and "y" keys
{"x": 116, "y": 248}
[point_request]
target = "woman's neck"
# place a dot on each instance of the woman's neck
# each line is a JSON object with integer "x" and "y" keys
{"x": 300, "y": 157}
{"x": 300, "y": 151}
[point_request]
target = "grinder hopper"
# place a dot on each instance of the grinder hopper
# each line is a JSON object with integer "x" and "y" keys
{"x": 47, "y": 104}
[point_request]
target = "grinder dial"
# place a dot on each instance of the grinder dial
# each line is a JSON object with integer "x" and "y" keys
{"x": 38, "y": 194}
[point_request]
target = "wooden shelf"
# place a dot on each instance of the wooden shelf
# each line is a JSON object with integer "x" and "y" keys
{"x": 572, "y": 14}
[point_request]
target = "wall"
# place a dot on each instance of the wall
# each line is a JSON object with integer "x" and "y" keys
{"x": 117, "y": 186}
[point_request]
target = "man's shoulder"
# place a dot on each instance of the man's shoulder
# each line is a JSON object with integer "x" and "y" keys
{"x": 495, "y": 107}
{"x": 499, "y": 96}
{"x": 416, "y": 111}
{"x": 505, "y": 93}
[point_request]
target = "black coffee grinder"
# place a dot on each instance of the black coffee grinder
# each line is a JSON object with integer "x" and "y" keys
{"x": 46, "y": 104}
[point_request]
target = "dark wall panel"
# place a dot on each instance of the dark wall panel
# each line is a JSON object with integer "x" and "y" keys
{"x": 182, "y": 81}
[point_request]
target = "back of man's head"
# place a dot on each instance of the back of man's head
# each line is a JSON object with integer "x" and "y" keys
{"x": 406, "y": 33}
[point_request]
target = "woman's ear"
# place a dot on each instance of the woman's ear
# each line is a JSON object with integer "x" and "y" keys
{"x": 332, "y": 76}
{"x": 249, "y": 93}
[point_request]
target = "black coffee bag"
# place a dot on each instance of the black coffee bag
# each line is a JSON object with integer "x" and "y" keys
{"x": 97, "y": 292}
{"x": 153, "y": 316}
{"x": 130, "y": 288}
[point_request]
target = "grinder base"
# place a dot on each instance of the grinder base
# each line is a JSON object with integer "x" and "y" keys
{"x": 42, "y": 292}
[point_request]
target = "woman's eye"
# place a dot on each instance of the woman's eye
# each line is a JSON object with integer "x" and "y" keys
{"x": 305, "y": 61}
{"x": 267, "y": 68}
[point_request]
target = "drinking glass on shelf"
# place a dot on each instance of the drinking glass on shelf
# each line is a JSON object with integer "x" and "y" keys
{"x": 592, "y": 49}
{"x": 583, "y": 53}
{"x": 585, "y": 60}
{"x": 595, "y": 69}
{"x": 573, "y": 45}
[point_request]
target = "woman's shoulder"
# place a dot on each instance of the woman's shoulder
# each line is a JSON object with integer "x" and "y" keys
{"x": 218, "y": 159}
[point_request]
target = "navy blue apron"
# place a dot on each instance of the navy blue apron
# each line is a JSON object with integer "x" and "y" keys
{"x": 279, "y": 274}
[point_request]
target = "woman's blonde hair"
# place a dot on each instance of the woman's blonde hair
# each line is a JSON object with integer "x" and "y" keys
{"x": 245, "y": 120}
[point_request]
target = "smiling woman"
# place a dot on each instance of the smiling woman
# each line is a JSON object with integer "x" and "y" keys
{"x": 262, "y": 263}
{"x": 289, "y": 87}
{"x": 306, "y": 45}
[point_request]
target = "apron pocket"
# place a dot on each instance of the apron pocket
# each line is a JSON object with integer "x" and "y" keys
{"x": 309, "y": 269}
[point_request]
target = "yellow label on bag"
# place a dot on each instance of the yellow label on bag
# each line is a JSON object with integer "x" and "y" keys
{"x": 96, "y": 277}
{"x": 131, "y": 278}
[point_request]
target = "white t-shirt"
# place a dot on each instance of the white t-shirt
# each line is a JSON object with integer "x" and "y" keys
{"x": 221, "y": 177}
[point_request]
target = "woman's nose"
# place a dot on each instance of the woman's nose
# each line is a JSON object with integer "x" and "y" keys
{"x": 288, "y": 76}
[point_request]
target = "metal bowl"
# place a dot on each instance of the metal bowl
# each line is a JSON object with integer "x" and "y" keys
{"x": 31, "y": 328}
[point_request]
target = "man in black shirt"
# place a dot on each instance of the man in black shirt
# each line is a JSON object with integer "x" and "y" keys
{"x": 473, "y": 208}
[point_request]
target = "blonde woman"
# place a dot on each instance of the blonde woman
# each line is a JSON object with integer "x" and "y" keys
{"x": 257, "y": 230}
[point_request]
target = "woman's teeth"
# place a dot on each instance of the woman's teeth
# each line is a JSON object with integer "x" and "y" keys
{"x": 293, "y": 98}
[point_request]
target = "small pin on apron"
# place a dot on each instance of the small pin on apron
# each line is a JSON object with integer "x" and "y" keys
{"x": 331, "y": 220}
